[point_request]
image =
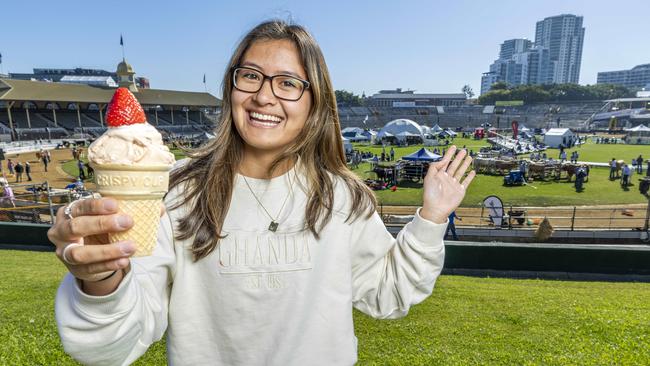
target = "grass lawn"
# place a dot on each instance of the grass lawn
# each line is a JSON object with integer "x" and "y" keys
{"x": 466, "y": 321}
{"x": 598, "y": 191}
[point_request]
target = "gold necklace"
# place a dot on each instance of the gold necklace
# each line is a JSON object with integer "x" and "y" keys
{"x": 273, "y": 226}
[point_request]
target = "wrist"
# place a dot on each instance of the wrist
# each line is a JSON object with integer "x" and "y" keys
{"x": 105, "y": 286}
{"x": 434, "y": 216}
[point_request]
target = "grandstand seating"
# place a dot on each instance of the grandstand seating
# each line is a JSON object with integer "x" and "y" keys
{"x": 538, "y": 115}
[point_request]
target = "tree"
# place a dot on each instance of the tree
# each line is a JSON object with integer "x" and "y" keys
{"x": 499, "y": 85}
{"x": 345, "y": 98}
{"x": 467, "y": 90}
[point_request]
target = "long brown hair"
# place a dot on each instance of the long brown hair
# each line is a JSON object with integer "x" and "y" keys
{"x": 208, "y": 178}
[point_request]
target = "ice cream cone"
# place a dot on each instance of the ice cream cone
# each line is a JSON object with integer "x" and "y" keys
{"x": 139, "y": 191}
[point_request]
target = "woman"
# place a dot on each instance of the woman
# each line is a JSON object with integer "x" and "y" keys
{"x": 268, "y": 239}
{"x": 8, "y": 199}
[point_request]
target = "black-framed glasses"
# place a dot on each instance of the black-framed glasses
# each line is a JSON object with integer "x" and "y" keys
{"x": 286, "y": 87}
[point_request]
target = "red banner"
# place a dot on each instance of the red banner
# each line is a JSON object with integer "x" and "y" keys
{"x": 515, "y": 130}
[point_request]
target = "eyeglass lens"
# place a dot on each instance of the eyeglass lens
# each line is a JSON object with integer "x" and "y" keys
{"x": 283, "y": 86}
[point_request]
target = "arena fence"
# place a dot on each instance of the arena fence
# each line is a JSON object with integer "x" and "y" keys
{"x": 38, "y": 203}
{"x": 34, "y": 203}
{"x": 514, "y": 217}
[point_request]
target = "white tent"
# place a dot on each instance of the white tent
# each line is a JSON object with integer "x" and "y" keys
{"x": 352, "y": 129}
{"x": 639, "y": 135}
{"x": 383, "y": 134}
{"x": 556, "y": 137}
{"x": 371, "y": 135}
{"x": 436, "y": 128}
{"x": 450, "y": 132}
{"x": 639, "y": 128}
{"x": 400, "y": 125}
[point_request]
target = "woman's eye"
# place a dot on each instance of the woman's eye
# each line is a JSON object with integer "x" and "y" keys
{"x": 251, "y": 76}
{"x": 290, "y": 83}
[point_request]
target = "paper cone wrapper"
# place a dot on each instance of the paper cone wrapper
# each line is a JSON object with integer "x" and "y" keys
{"x": 139, "y": 191}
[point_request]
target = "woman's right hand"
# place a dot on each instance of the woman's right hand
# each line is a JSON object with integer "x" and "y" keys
{"x": 94, "y": 258}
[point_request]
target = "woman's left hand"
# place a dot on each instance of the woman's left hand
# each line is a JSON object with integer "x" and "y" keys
{"x": 444, "y": 186}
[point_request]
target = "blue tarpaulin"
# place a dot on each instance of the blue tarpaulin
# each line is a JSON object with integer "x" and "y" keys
{"x": 422, "y": 155}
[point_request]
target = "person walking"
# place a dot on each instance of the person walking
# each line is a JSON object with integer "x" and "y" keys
{"x": 46, "y": 161}
{"x": 392, "y": 154}
{"x": 639, "y": 164}
{"x": 612, "y": 169}
{"x": 19, "y": 168}
{"x": 273, "y": 184}
{"x": 80, "y": 166}
{"x": 625, "y": 179}
{"x": 10, "y": 166}
{"x": 581, "y": 173}
{"x": 28, "y": 171}
{"x": 452, "y": 226}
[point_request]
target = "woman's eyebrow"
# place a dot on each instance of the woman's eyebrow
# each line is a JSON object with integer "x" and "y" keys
{"x": 282, "y": 72}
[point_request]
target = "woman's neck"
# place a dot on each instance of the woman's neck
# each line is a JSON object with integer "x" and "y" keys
{"x": 256, "y": 165}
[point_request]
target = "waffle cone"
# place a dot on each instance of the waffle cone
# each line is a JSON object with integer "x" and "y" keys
{"x": 139, "y": 191}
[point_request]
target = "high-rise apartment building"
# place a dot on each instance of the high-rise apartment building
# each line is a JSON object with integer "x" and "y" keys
{"x": 636, "y": 78}
{"x": 555, "y": 57}
{"x": 563, "y": 35}
{"x": 510, "y": 47}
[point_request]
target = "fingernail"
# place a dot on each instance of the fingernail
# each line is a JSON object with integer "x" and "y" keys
{"x": 124, "y": 221}
{"x": 127, "y": 248}
{"x": 110, "y": 205}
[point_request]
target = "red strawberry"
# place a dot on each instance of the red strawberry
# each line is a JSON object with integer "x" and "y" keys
{"x": 124, "y": 109}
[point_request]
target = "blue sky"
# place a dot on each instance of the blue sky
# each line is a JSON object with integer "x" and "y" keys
{"x": 427, "y": 46}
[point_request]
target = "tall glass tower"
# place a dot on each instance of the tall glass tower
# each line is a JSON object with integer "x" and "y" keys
{"x": 563, "y": 35}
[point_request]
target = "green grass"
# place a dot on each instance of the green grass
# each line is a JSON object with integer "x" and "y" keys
{"x": 466, "y": 321}
{"x": 598, "y": 191}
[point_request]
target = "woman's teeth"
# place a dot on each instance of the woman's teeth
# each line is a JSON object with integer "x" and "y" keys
{"x": 265, "y": 117}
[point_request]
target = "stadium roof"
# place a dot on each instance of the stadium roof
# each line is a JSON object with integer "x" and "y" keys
{"x": 623, "y": 100}
{"x": 37, "y": 91}
{"x": 419, "y": 96}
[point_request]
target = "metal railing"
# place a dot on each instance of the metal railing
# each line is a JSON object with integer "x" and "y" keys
{"x": 34, "y": 203}
{"x": 633, "y": 217}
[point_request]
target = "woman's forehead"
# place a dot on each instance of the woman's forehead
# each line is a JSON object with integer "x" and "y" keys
{"x": 274, "y": 57}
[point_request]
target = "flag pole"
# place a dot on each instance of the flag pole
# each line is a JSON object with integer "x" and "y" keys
{"x": 204, "y": 84}
{"x": 122, "y": 44}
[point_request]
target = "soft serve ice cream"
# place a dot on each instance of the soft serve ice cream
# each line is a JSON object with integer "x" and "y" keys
{"x": 132, "y": 165}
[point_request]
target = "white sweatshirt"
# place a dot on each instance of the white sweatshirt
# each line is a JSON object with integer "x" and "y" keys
{"x": 261, "y": 298}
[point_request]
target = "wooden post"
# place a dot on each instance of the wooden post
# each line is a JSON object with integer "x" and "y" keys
{"x": 156, "y": 113}
{"x": 171, "y": 109}
{"x": 101, "y": 115}
{"x": 647, "y": 217}
{"x": 573, "y": 218}
{"x": 54, "y": 115}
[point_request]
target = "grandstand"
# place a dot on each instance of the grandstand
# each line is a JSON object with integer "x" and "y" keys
{"x": 536, "y": 115}
{"x": 45, "y": 110}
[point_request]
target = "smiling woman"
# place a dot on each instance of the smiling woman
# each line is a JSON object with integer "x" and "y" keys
{"x": 268, "y": 240}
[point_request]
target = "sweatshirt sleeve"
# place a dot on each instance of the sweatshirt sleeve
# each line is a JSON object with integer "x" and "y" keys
{"x": 118, "y": 328}
{"x": 391, "y": 274}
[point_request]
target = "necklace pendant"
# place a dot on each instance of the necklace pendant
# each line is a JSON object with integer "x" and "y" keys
{"x": 273, "y": 226}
